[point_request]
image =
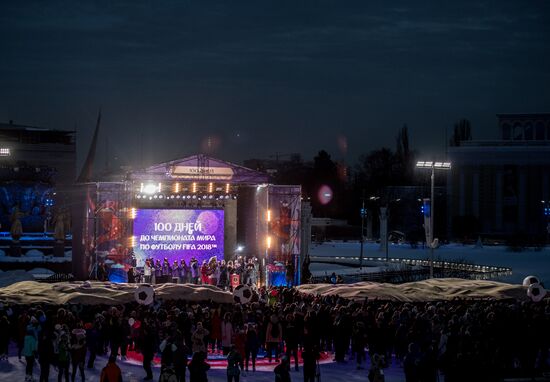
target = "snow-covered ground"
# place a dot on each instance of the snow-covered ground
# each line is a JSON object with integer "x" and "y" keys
{"x": 528, "y": 262}
{"x": 14, "y": 370}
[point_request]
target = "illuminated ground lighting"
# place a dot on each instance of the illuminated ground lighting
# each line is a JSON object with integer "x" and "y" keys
{"x": 325, "y": 195}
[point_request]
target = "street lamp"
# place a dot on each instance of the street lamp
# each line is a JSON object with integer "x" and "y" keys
{"x": 433, "y": 166}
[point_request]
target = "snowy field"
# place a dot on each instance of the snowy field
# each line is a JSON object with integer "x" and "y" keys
{"x": 14, "y": 370}
{"x": 528, "y": 262}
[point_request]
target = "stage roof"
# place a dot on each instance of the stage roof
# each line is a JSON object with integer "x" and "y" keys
{"x": 199, "y": 168}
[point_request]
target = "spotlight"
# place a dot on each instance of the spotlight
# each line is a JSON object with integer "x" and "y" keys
{"x": 149, "y": 189}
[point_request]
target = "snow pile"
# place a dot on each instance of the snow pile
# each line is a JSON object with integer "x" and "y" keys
{"x": 426, "y": 290}
{"x": 11, "y": 277}
{"x": 34, "y": 253}
{"x": 94, "y": 292}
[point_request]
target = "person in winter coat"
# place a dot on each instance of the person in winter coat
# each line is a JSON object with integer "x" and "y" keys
{"x": 273, "y": 337}
{"x": 78, "y": 352}
{"x": 30, "y": 347}
{"x": 184, "y": 272}
{"x": 234, "y": 365}
{"x": 205, "y": 269}
{"x": 4, "y": 336}
{"x": 251, "y": 346}
{"x": 198, "y": 368}
{"x": 147, "y": 345}
{"x": 290, "y": 336}
{"x": 180, "y": 359}
{"x": 216, "y": 332}
{"x": 310, "y": 355}
{"x": 240, "y": 341}
{"x": 198, "y": 337}
{"x": 378, "y": 363}
{"x": 412, "y": 363}
{"x": 93, "y": 341}
{"x": 223, "y": 281}
{"x": 282, "y": 370}
{"x": 63, "y": 356}
{"x": 45, "y": 354}
{"x": 195, "y": 271}
{"x": 147, "y": 271}
{"x": 176, "y": 272}
{"x": 359, "y": 341}
{"x": 111, "y": 372}
{"x": 227, "y": 333}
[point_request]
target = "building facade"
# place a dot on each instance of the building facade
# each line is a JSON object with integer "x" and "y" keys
{"x": 501, "y": 188}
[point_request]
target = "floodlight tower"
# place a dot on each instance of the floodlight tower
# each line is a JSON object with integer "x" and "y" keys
{"x": 433, "y": 166}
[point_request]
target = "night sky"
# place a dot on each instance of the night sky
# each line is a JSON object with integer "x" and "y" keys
{"x": 263, "y": 77}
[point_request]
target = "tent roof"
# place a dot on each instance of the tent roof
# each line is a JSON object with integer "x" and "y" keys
{"x": 201, "y": 168}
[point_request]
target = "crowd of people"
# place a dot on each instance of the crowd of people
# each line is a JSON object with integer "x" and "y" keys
{"x": 459, "y": 339}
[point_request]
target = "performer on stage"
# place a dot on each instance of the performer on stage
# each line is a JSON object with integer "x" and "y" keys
{"x": 184, "y": 272}
{"x": 204, "y": 272}
{"x": 147, "y": 271}
{"x": 195, "y": 271}
{"x": 176, "y": 272}
{"x": 158, "y": 271}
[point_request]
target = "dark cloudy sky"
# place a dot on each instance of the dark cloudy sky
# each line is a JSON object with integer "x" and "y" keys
{"x": 261, "y": 77}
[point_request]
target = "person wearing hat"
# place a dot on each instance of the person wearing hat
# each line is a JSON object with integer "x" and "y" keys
{"x": 282, "y": 370}
{"x": 111, "y": 372}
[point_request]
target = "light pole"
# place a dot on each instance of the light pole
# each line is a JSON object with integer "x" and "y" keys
{"x": 433, "y": 166}
{"x": 363, "y": 213}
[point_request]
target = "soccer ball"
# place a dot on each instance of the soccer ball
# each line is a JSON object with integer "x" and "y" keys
{"x": 536, "y": 292}
{"x": 530, "y": 280}
{"x": 242, "y": 294}
{"x": 144, "y": 294}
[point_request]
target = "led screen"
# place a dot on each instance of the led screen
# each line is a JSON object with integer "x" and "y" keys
{"x": 178, "y": 234}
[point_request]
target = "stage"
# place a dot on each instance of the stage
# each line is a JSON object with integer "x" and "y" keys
{"x": 196, "y": 208}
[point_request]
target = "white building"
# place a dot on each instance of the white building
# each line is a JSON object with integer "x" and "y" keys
{"x": 503, "y": 185}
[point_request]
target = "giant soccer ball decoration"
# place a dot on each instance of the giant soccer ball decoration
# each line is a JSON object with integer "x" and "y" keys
{"x": 144, "y": 294}
{"x": 536, "y": 292}
{"x": 530, "y": 280}
{"x": 242, "y": 294}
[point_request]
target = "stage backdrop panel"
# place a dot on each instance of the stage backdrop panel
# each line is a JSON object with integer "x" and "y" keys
{"x": 178, "y": 234}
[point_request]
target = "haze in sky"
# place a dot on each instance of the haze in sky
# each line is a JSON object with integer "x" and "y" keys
{"x": 244, "y": 79}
